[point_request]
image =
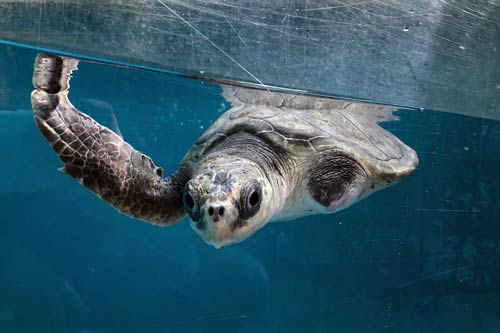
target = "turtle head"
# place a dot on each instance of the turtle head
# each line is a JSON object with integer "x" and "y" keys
{"x": 227, "y": 205}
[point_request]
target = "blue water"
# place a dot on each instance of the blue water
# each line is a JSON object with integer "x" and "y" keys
{"x": 422, "y": 256}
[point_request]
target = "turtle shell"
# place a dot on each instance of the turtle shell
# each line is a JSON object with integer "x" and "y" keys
{"x": 304, "y": 125}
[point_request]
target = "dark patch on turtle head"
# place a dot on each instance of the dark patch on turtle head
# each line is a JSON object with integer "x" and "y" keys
{"x": 221, "y": 178}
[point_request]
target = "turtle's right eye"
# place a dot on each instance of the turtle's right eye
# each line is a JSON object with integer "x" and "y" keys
{"x": 191, "y": 203}
{"x": 188, "y": 201}
{"x": 191, "y": 206}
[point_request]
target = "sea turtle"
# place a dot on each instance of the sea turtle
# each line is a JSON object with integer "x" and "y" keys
{"x": 272, "y": 156}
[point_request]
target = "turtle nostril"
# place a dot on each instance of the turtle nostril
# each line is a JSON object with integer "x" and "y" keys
{"x": 215, "y": 212}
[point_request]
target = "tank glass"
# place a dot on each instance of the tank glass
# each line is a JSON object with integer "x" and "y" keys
{"x": 421, "y": 256}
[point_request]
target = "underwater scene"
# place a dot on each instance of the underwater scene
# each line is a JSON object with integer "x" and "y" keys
{"x": 420, "y": 256}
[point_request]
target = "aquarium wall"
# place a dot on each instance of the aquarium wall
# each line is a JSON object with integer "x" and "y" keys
{"x": 441, "y": 55}
{"x": 420, "y": 256}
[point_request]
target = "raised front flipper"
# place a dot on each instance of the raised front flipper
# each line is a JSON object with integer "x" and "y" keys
{"x": 98, "y": 158}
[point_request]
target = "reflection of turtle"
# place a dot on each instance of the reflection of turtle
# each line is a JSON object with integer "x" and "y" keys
{"x": 272, "y": 156}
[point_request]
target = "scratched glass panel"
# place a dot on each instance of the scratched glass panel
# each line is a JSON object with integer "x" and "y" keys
{"x": 422, "y": 256}
{"x": 441, "y": 55}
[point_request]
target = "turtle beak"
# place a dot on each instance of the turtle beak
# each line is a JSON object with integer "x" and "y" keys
{"x": 217, "y": 223}
{"x": 215, "y": 212}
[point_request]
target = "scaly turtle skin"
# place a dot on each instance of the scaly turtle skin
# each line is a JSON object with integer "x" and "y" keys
{"x": 272, "y": 156}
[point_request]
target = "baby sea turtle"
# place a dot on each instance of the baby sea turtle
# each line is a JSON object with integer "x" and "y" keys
{"x": 272, "y": 156}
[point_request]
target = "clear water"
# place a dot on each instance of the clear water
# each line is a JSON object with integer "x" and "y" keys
{"x": 422, "y": 256}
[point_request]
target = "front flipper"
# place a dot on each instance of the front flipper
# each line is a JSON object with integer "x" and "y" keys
{"x": 98, "y": 158}
{"x": 335, "y": 181}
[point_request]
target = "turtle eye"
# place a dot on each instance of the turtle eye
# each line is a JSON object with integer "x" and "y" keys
{"x": 254, "y": 198}
{"x": 188, "y": 201}
{"x": 191, "y": 206}
{"x": 250, "y": 199}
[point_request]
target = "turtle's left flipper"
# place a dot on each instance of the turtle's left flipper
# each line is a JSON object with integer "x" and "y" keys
{"x": 97, "y": 157}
